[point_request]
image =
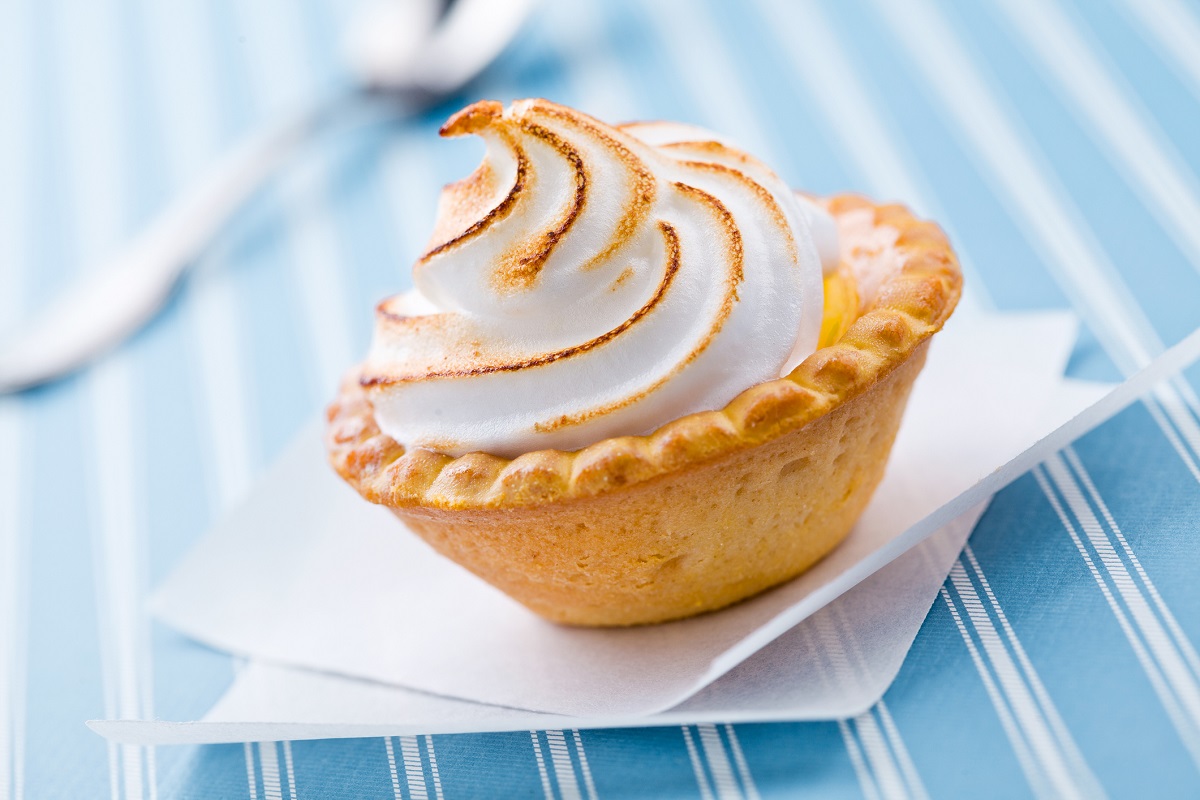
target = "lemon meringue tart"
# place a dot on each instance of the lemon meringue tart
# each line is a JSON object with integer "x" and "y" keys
{"x": 639, "y": 378}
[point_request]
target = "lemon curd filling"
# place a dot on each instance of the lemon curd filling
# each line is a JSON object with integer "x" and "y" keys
{"x": 841, "y": 306}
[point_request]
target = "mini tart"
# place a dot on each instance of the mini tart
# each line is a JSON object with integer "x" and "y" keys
{"x": 711, "y": 508}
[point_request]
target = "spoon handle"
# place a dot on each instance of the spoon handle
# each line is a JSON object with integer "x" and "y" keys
{"x": 111, "y": 302}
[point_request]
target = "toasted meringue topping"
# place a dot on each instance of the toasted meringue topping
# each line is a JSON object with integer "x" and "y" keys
{"x": 589, "y": 281}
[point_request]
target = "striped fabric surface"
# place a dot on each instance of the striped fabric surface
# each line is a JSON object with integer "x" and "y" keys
{"x": 1058, "y": 141}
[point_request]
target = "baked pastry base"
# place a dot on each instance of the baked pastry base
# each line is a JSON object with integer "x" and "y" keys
{"x": 689, "y": 541}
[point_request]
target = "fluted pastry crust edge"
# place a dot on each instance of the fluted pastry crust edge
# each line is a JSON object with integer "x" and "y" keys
{"x": 913, "y": 303}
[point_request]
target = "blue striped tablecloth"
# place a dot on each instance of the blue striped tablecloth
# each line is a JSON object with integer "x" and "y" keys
{"x": 1057, "y": 140}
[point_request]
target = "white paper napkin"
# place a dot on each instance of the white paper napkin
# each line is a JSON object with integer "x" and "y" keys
{"x": 306, "y": 574}
{"x": 835, "y": 664}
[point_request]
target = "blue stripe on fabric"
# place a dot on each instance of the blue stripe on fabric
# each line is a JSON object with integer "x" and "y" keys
{"x": 63, "y": 681}
{"x": 275, "y": 340}
{"x": 648, "y": 762}
{"x": 1162, "y": 281}
{"x": 315, "y": 21}
{"x": 942, "y": 709}
{"x": 359, "y": 764}
{"x": 1089, "y": 669}
{"x": 213, "y": 772}
{"x": 1022, "y": 271}
{"x": 811, "y": 158}
{"x": 289, "y": 67}
{"x": 633, "y": 56}
{"x": 1148, "y": 71}
{"x": 373, "y": 261}
{"x": 1012, "y": 269}
{"x": 52, "y": 262}
{"x": 378, "y": 260}
{"x": 472, "y": 765}
{"x": 777, "y": 753}
{"x": 1160, "y": 517}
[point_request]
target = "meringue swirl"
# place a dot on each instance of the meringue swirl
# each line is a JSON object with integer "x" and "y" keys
{"x": 589, "y": 281}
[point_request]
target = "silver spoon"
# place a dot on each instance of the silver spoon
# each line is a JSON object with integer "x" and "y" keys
{"x": 399, "y": 50}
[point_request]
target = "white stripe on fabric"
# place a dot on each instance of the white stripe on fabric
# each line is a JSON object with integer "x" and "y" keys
{"x": 1152, "y": 673}
{"x": 895, "y": 753}
{"x": 120, "y": 579}
{"x": 1141, "y": 151}
{"x": 1187, "y": 651}
{"x": 1070, "y": 750}
{"x": 739, "y": 759}
{"x": 1052, "y": 761}
{"x": 280, "y": 74}
{"x": 912, "y": 779}
{"x": 1175, "y": 30}
{"x": 1169, "y": 663}
{"x": 541, "y": 766}
{"x": 15, "y": 135}
{"x": 1023, "y": 183}
{"x": 414, "y": 769}
{"x": 87, "y": 46}
{"x": 718, "y": 763}
{"x": 114, "y": 770}
{"x": 268, "y": 758}
{"x": 433, "y": 768}
{"x": 1065, "y": 243}
{"x": 16, "y": 138}
{"x": 12, "y": 605}
{"x": 564, "y": 770}
{"x": 818, "y": 59}
{"x": 706, "y": 792}
{"x": 1007, "y": 721}
{"x": 835, "y": 642}
{"x": 248, "y": 757}
{"x": 866, "y": 781}
{"x": 884, "y": 768}
{"x": 827, "y": 632}
{"x": 895, "y": 775}
{"x": 132, "y": 772}
{"x": 391, "y": 759}
{"x": 290, "y": 770}
{"x": 585, "y": 770}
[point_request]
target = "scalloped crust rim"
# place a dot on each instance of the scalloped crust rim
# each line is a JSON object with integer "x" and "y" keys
{"x": 912, "y": 304}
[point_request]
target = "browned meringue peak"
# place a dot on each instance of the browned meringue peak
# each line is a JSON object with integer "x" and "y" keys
{"x": 590, "y": 281}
